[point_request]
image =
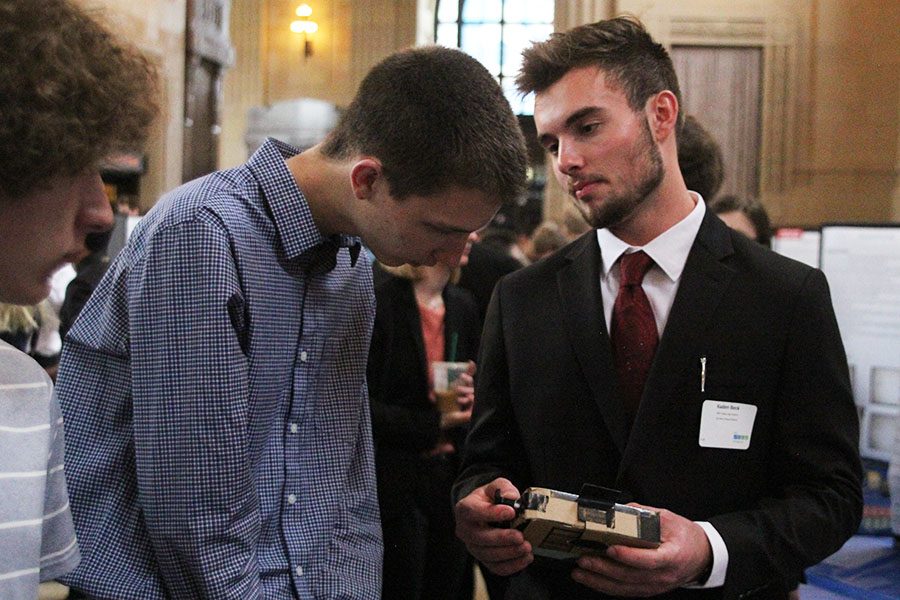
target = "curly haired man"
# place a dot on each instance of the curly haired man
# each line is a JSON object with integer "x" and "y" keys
{"x": 70, "y": 94}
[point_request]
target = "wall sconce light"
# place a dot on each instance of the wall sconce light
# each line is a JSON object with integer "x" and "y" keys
{"x": 306, "y": 26}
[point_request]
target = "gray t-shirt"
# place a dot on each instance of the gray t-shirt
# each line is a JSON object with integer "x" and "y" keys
{"x": 37, "y": 539}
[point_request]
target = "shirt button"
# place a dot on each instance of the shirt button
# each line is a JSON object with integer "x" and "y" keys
{"x": 293, "y": 428}
{"x": 291, "y": 498}
{"x": 298, "y": 570}
{"x": 303, "y": 356}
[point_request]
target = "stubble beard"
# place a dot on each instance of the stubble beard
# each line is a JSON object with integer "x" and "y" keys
{"x": 619, "y": 207}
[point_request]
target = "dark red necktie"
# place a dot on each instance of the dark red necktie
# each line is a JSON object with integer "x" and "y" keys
{"x": 633, "y": 330}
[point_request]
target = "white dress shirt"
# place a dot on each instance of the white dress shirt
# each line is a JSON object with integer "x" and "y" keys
{"x": 669, "y": 252}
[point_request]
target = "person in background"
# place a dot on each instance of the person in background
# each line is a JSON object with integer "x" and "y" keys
{"x": 421, "y": 318}
{"x": 49, "y": 339}
{"x": 485, "y": 266}
{"x": 70, "y": 94}
{"x": 664, "y": 355}
{"x": 545, "y": 240}
{"x": 574, "y": 224}
{"x": 88, "y": 273}
{"x": 28, "y": 328}
{"x": 504, "y": 239}
{"x": 700, "y": 159}
{"x": 746, "y": 215}
{"x": 214, "y": 382}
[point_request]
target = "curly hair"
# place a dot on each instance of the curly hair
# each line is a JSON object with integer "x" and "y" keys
{"x": 435, "y": 118}
{"x": 70, "y": 94}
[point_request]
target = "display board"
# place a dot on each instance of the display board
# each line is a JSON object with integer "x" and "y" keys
{"x": 862, "y": 264}
{"x": 799, "y": 244}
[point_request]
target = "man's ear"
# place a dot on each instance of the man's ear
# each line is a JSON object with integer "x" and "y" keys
{"x": 662, "y": 114}
{"x": 364, "y": 174}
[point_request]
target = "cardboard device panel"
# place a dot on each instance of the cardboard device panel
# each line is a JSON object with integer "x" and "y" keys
{"x": 562, "y": 525}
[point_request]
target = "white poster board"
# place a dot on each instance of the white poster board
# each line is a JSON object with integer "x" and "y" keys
{"x": 862, "y": 264}
{"x": 799, "y": 244}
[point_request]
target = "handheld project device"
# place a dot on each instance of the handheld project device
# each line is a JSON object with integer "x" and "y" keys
{"x": 562, "y": 525}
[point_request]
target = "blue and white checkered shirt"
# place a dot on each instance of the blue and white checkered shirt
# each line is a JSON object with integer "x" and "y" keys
{"x": 218, "y": 431}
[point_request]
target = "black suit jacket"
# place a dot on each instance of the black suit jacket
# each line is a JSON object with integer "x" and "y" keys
{"x": 548, "y": 412}
{"x": 405, "y": 423}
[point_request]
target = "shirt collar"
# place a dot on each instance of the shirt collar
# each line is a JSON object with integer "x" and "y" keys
{"x": 669, "y": 250}
{"x": 296, "y": 230}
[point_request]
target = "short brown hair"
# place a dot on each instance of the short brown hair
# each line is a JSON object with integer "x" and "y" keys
{"x": 700, "y": 159}
{"x": 750, "y": 208}
{"x": 70, "y": 94}
{"x": 621, "y": 47}
{"x": 435, "y": 118}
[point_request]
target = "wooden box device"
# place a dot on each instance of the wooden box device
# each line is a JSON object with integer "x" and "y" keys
{"x": 563, "y": 525}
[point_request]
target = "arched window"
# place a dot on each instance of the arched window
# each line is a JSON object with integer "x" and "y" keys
{"x": 495, "y": 32}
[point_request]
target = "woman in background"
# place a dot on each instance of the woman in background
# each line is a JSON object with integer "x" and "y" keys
{"x": 33, "y": 330}
{"x": 746, "y": 215}
{"x": 421, "y": 318}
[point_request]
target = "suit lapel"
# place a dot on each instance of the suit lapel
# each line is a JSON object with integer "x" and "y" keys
{"x": 582, "y": 306}
{"x": 703, "y": 282}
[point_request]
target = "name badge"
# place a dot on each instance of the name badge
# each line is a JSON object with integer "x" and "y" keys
{"x": 726, "y": 425}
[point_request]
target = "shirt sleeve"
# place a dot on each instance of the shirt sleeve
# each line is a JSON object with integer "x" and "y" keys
{"x": 191, "y": 422}
{"x": 59, "y": 550}
{"x": 720, "y": 558}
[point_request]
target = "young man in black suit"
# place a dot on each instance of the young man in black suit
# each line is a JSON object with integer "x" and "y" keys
{"x": 743, "y": 432}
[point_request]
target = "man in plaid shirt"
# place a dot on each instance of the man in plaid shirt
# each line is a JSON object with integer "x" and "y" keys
{"x": 214, "y": 385}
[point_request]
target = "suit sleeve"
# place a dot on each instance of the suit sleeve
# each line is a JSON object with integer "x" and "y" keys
{"x": 816, "y": 504}
{"x": 493, "y": 447}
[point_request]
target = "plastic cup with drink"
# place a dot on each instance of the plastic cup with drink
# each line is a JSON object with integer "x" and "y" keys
{"x": 445, "y": 375}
